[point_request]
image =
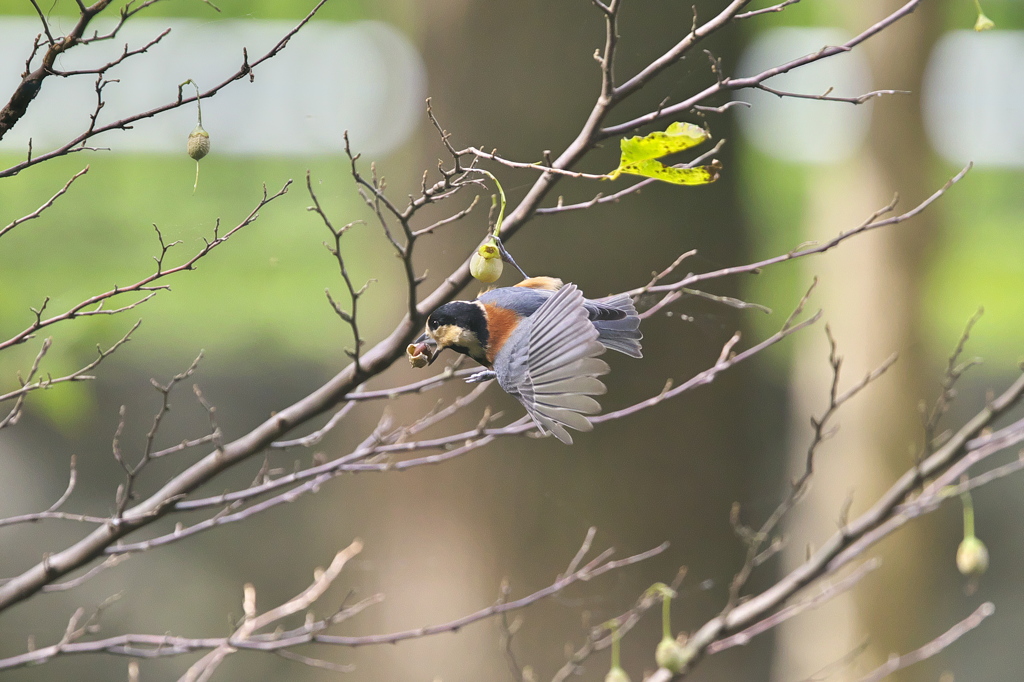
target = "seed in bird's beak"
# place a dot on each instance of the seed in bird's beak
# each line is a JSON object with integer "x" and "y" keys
{"x": 419, "y": 354}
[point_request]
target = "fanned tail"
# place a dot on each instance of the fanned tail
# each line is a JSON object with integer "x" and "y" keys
{"x": 621, "y": 335}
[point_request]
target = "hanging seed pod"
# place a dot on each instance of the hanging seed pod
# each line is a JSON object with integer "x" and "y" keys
{"x": 617, "y": 674}
{"x": 486, "y": 265}
{"x": 972, "y": 557}
{"x": 198, "y": 142}
{"x": 983, "y": 23}
{"x": 972, "y": 554}
{"x": 672, "y": 655}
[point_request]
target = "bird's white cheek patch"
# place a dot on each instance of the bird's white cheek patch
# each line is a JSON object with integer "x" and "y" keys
{"x": 453, "y": 335}
{"x": 448, "y": 335}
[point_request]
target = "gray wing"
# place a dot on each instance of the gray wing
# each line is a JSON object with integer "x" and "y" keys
{"x": 550, "y": 364}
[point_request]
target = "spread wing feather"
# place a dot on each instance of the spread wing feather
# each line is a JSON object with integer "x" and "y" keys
{"x": 550, "y": 364}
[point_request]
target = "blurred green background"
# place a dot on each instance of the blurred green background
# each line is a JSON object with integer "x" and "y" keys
{"x": 521, "y": 78}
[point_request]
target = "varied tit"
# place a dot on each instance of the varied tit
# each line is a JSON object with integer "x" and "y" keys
{"x": 540, "y": 339}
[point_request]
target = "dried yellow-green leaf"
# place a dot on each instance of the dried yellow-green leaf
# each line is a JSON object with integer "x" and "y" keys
{"x": 676, "y": 138}
{"x": 640, "y": 156}
{"x": 699, "y": 175}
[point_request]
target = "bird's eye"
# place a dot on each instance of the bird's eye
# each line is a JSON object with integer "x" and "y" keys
{"x": 433, "y": 323}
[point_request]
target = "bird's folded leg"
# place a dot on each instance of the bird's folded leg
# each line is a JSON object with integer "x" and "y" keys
{"x": 480, "y": 377}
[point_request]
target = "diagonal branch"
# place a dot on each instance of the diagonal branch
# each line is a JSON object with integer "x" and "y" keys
{"x": 854, "y": 538}
{"x": 85, "y": 308}
{"x": 47, "y": 204}
{"x": 732, "y": 84}
{"x": 873, "y": 223}
{"x": 933, "y": 647}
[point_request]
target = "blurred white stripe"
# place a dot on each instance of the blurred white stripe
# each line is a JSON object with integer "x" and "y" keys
{"x": 365, "y": 77}
{"x": 799, "y": 129}
{"x": 974, "y": 97}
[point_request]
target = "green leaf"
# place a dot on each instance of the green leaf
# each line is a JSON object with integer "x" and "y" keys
{"x": 699, "y": 175}
{"x": 640, "y": 156}
{"x": 676, "y": 138}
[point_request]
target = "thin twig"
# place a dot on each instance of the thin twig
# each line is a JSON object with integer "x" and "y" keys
{"x": 933, "y": 647}
{"x": 85, "y": 308}
{"x": 47, "y": 204}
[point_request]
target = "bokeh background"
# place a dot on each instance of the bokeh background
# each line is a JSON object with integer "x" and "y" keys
{"x": 520, "y": 77}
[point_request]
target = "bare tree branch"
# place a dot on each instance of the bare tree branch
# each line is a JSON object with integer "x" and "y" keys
{"x": 145, "y": 284}
{"x": 828, "y": 97}
{"x": 47, "y": 204}
{"x": 774, "y": 8}
{"x": 873, "y": 223}
{"x": 246, "y": 637}
{"x": 725, "y": 84}
{"x": 855, "y": 537}
{"x": 28, "y": 385}
{"x": 203, "y": 669}
{"x": 933, "y": 647}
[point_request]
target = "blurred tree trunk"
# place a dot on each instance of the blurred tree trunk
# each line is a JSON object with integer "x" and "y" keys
{"x": 870, "y": 291}
{"x": 533, "y": 499}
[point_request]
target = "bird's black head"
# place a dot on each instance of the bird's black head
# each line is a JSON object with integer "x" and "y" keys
{"x": 461, "y": 326}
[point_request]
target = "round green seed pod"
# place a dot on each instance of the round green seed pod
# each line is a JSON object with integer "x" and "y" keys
{"x": 983, "y": 23}
{"x": 486, "y": 265}
{"x": 972, "y": 556}
{"x": 198, "y": 143}
{"x": 671, "y": 655}
{"x": 616, "y": 674}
